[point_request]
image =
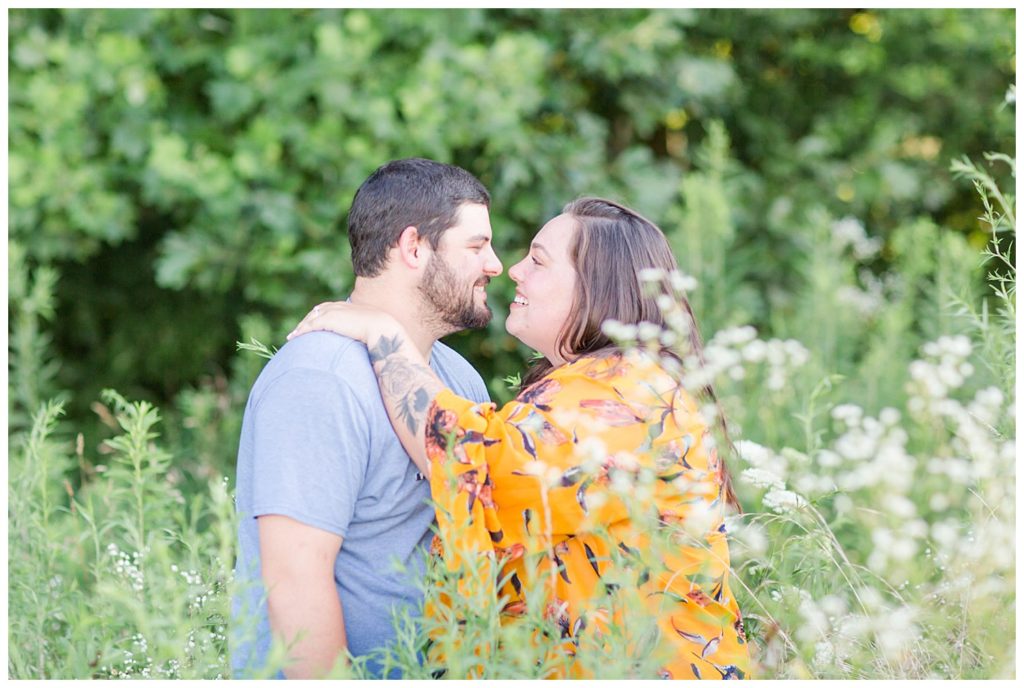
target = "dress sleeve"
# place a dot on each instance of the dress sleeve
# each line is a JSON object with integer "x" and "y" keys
{"x": 502, "y": 476}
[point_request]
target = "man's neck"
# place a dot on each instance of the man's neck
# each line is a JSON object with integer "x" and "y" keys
{"x": 400, "y": 302}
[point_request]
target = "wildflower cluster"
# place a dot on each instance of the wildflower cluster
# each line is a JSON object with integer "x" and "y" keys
{"x": 848, "y": 232}
{"x": 906, "y": 512}
{"x": 128, "y": 567}
{"x": 766, "y": 471}
{"x": 730, "y": 351}
{"x": 874, "y": 460}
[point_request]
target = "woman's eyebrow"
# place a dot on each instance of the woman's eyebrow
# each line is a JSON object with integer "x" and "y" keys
{"x": 540, "y": 247}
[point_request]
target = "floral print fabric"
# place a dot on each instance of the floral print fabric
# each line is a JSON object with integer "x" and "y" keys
{"x": 549, "y": 484}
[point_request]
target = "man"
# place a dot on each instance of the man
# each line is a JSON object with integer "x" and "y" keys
{"x": 327, "y": 497}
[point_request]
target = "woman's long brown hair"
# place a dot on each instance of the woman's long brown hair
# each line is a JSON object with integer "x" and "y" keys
{"x": 611, "y": 246}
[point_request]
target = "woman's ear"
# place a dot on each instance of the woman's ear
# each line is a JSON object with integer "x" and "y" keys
{"x": 411, "y": 249}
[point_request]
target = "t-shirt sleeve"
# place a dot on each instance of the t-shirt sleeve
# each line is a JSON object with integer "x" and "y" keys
{"x": 478, "y": 390}
{"x": 461, "y": 377}
{"x": 311, "y": 450}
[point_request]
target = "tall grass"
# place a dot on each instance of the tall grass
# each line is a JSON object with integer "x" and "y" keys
{"x": 875, "y": 432}
{"x": 124, "y": 577}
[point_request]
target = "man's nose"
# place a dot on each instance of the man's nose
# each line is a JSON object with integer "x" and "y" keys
{"x": 493, "y": 266}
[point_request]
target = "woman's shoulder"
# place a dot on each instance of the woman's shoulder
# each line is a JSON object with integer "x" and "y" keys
{"x": 615, "y": 365}
{"x": 615, "y": 373}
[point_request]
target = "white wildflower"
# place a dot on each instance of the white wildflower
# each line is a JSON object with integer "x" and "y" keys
{"x": 815, "y": 622}
{"x": 847, "y": 231}
{"x": 734, "y": 336}
{"x": 776, "y": 381}
{"x": 593, "y": 451}
{"x": 749, "y": 535}
{"x": 776, "y": 354}
{"x": 783, "y": 501}
{"x": 651, "y": 275}
{"x": 753, "y": 453}
{"x": 699, "y": 519}
{"x": 762, "y": 478}
{"x": 850, "y": 414}
{"x": 755, "y": 351}
{"x": 889, "y": 416}
{"x": 903, "y": 549}
{"x": 621, "y": 482}
{"x": 916, "y": 528}
{"x": 824, "y": 655}
{"x": 897, "y": 633}
{"x": 882, "y": 539}
{"x": 647, "y": 331}
{"x": 798, "y": 353}
{"x": 899, "y": 506}
{"x": 865, "y": 303}
{"x": 938, "y": 502}
{"x": 867, "y": 247}
{"x": 828, "y": 459}
{"x": 950, "y": 376}
{"x": 855, "y": 445}
{"x": 619, "y": 331}
{"x": 682, "y": 282}
{"x": 872, "y": 427}
{"x": 959, "y": 345}
{"x": 809, "y": 483}
{"x": 1008, "y": 451}
{"x": 834, "y": 605}
{"x": 945, "y": 533}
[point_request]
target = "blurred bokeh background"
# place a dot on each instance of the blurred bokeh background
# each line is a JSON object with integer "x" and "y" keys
{"x": 178, "y": 181}
{"x": 187, "y": 173}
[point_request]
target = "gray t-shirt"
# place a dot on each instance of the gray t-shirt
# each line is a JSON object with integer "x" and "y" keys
{"x": 317, "y": 446}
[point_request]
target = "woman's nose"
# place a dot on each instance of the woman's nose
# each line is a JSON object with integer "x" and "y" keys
{"x": 513, "y": 273}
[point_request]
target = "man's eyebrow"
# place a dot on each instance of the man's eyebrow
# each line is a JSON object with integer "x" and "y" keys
{"x": 478, "y": 237}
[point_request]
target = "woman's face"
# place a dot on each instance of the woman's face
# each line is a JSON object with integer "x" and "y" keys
{"x": 545, "y": 284}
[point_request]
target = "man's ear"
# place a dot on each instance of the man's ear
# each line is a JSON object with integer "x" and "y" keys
{"x": 413, "y": 251}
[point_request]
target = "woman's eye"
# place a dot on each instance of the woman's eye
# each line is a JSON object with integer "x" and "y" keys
{"x": 535, "y": 261}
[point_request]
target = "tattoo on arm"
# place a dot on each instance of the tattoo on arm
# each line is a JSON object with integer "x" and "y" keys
{"x": 384, "y": 347}
{"x": 406, "y": 386}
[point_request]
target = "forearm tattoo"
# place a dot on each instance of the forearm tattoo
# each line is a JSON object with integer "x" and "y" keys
{"x": 406, "y": 386}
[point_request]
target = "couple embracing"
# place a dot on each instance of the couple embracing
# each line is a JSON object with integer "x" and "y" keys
{"x": 357, "y": 448}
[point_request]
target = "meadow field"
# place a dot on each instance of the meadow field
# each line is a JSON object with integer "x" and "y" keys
{"x": 838, "y": 188}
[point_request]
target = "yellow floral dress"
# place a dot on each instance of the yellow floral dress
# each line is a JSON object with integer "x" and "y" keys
{"x": 553, "y": 485}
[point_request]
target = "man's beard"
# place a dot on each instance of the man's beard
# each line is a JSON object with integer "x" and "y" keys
{"x": 450, "y": 302}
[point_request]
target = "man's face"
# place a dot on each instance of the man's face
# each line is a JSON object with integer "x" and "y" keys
{"x": 454, "y": 282}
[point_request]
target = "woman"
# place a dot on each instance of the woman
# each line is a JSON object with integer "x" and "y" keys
{"x": 561, "y": 482}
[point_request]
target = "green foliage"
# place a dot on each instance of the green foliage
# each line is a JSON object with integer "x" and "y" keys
{"x": 183, "y": 169}
{"x": 179, "y": 181}
{"x": 123, "y": 577}
{"x": 32, "y": 368}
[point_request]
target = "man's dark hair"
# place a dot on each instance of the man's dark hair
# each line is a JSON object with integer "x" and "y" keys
{"x": 412, "y": 192}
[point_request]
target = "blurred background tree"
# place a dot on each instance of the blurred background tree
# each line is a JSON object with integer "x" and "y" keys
{"x": 179, "y": 179}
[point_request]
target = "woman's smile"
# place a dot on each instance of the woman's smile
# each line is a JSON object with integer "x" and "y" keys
{"x": 545, "y": 285}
